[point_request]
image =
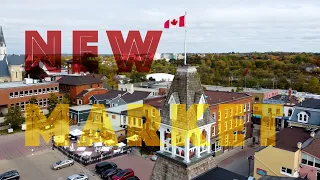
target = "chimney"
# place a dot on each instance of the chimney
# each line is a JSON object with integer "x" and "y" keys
{"x": 289, "y": 93}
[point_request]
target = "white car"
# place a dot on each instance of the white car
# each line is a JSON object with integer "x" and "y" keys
{"x": 78, "y": 177}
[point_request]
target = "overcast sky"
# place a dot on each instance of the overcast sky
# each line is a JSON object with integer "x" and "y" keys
{"x": 213, "y": 25}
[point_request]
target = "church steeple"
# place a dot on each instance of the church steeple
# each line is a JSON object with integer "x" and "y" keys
{"x": 2, "y": 41}
{"x": 3, "y": 50}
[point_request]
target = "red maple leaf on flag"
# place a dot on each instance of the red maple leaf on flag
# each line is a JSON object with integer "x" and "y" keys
{"x": 174, "y": 22}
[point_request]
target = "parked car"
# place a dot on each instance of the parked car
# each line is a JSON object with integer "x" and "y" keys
{"x": 133, "y": 178}
{"x": 154, "y": 157}
{"x": 109, "y": 173}
{"x": 78, "y": 177}
{"x": 10, "y": 175}
{"x": 124, "y": 174}
{"x": 62, "y": 164}
{"x": 103, "y": 166}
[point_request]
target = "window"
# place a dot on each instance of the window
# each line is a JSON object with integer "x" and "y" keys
{"x": 226, "y": 136}
{"x": 226, "y": 126}
{"x": 51, "y": 89}
{"x": 90, "y": 101}
{"x": 230, "y": 112}
{"x": 16, "y": 74}
{"x": 130, "y": 121}
{"x": 16, "y": 94}
{"x": 218, "y": 147}
{"x": 153, "y": 113}
{"x": 30, "y": 93}
{"x": 245, "y": 118}
{"x": 134, "y": 121}
{"x": 44, "y": 102}
{"x": 113, "y": 116}
{"x": 226, "y": 113}
{"x": 214, "y": 115}
{"x": 244, "y": 108}
{"x": 11, "y": 95}
{"x": 90, "y": 85}
{"x": 236, "y": 123}
{"x": 56, "y": 89}
{"x": 231, "y": 123}
{"x": 40, "y": 91}
{"x": 35, "y": 91}
{"x": 21, "y": 93}
{"x": 26, "y": 93}
{"x": 219, "y": 128}
{"x": 286, "y": 171}
{"x": 248, "y": 106}
{"x": 240, "y": 108}
{"x": 79, "y": 101}
{"x": 48, "y": 90}
{"x": 219, "y": 118}
{"x": 303, "y": 117}
{"x": 43, "y": 91}
{"x": 256, "y": 99}
{"x": 236, "y": 110}
{"x": 310, "y": 160}
{"x": 278, "y": 111}
{"x": 213, "y": 133}
{"x": 269, "y": 110}
{"x": 22, "y": 106}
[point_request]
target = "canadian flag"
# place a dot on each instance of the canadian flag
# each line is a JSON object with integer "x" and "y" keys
{"x": 172, "y": 23}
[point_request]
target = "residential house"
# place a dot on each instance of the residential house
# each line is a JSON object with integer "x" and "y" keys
{"x": 283, "y": 159}
{"x": 80, "y": 113}
{"x": 232, "y": 112}
{"x": 74, "y": 85}
{"x": 84, "y": 96}
{"x": 102, "y": 77}
{"x": 116, "y": 98}
{"x": 306, "y": 114}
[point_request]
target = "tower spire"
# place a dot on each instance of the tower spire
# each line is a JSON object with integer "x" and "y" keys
{"x": 2, "y": 42}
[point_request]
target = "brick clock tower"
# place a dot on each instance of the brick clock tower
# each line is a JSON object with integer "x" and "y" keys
{"x": 184, "y": 148}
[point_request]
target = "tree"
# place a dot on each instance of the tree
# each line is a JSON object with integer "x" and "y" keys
{"x": 33, "y": 100}
{"x": 52, "y": 102}
{"x": 14, "y": 117}
{"x": 66, "y": 99}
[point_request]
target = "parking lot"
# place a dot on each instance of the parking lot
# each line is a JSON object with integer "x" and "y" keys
{"x": 38, "y": 166}
{"x": 141, "y": 166}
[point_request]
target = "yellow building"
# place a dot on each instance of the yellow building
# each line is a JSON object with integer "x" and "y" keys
{"x": 284, "y": 158}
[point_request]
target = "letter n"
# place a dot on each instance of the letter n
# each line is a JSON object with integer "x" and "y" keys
{"x": 38, "y": 125}
{"x": 134, "y": 49}
{"x": 38, "y": 50}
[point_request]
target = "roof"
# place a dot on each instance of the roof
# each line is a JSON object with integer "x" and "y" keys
{"x": 314, "y": 147}
{"x": 81, "y": 108}
{"x": 78, "y": 80}
{"x": 98, "y": 76}
{"x": 120, "y": 109}
{"x": 156, "y": 102}
{"x": 279, "y": 178}
{"x": 2, "y": 41}
{"x": 82, "y": 93}
{"x": 109, "y": 95}
{"x": 18, "y": 84}
{"x": 220, "y": 174}
{"x": 285, "y": 99}
{"x": 16, "y": 59}
{"x": 4, "y": 71}
{"x": 288, "y": 138}
{"x": 218, "y": 97}
{"x": 135, "y": 96}
{"x": 310, "y": 103}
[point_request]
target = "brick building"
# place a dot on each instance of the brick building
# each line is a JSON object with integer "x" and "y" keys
{"x": 74, "y": 85}
{"x": 84, "y": 96}
{"x": 19, "y": 93}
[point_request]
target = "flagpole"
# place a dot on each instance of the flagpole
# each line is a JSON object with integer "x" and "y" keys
{"x": 185, "y": 36}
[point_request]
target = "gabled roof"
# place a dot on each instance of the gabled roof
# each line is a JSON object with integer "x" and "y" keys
{"x": 314, "y": 147}
{"x": 156, "y": 102}
{"x": 4, "y": 71}
{"x": 310, "y": 103}
{"x": 135, "y": 96}
{"x": 98, "y": 76}
{"x": 82, "y": 93}
{"x": 78, "y": 80}
{"x": 109, "y": 95}
{"x": 16, "y": 59}
{"x": 219, "y": 173}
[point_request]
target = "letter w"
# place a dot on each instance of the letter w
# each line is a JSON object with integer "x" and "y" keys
{"x": 134, "y": 50}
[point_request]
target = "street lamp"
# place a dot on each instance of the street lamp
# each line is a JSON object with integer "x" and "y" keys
{"x": 250, "y": 158}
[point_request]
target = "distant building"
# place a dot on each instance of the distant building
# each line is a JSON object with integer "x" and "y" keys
{"x": 161, "y": 76}
{"x": 156, "y": 88}
{"x": 11, "y": 66}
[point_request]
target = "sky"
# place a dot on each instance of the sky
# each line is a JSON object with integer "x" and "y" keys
{"x": 213, "y": 26}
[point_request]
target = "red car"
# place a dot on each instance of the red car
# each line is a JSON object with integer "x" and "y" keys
{"x": 124, "y": 174}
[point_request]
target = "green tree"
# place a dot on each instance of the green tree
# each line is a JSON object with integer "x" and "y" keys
{"x": 14, "y": 117}
{"x": 313, "y": 85}
{"x": 33, "y": 100}
{"x": 66, "y": 99}
{"x": 52, "y": 102}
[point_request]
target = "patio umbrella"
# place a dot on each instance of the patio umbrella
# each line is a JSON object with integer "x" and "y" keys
{"x": 109, "y": 142}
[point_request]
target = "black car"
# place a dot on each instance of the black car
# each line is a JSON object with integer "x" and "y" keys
{"x": 132, "y": 178}
{"x": 109, "y": 173}
{"x": 103, "y": 166}
{"x": 10, "y": 175}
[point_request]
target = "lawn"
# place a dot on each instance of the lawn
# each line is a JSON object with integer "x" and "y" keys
{"x": 5, "y": 131}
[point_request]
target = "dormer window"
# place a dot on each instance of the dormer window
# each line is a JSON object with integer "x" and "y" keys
{"x": 303, "y": 117}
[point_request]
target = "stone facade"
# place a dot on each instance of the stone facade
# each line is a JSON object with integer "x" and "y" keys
{"x": 166, "y": 168}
